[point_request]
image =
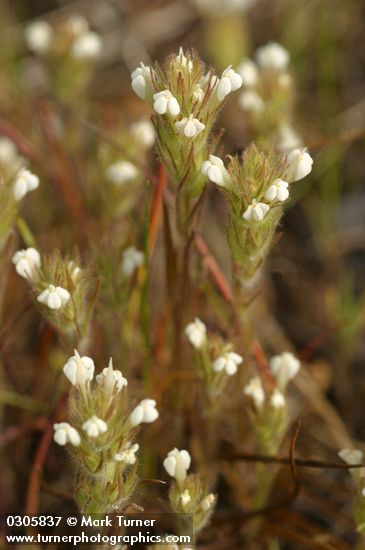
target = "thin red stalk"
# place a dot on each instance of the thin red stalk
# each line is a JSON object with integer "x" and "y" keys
{"x": 32, "y": 497}
{"x": 156, "y": 210}
{"x": 214, "y": 269}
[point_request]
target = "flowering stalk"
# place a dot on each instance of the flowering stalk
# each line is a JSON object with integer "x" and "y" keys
{"x": 267, "y": 97}
{"x": 69, "y": 50}
{"x": 188, "y": 493}
{"x": 186, "y": 100}
{"x": 270, "y": 419}
{"x": 255, "y": 187}
{"x": 64, "y": 292}
{"x": 16, "y": 181}
{"x": 100, "y": 435}
{"x": 215, "y": 362}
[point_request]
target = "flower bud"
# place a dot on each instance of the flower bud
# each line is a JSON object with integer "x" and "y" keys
{"x": 25, "y": 181}
{"x": 27, "y": 262}
{"x": 38, "y": 36}
{"x": 165, "y": 102}
{"x": 95, "y": 426}
{"x": 229, "y": 82}
{"x": 111, "y": 379}
{"x": 177, "y": 464}
{"x": 54, "y": 297}
{"x": 215, "y": 170}
{"x": 87, "y": 47}
{"x": 256, "y": 211}
{"x": 248, "y": 70}
{"x": 141, "y": 81}
{"x": 144, "y": 412}
{"x": 255, "y": 390}
{"x": 284, "y": 367}
{"x": 196, "y": 333}
{"x": 273, "y": 56}
{"x": 122, "y": 172}
{"x": 78, "y": 370}
{"x": 127, "y": 454}
{"x": 278, "y": 190}
{"x": 229, "y": 362}
{"x": 132, "y": 260}
{"x": 189, "y": 127}
{"x": 143, "y": 131}
{"x": 300, "y": 164}
{"x": 64, "y": 433}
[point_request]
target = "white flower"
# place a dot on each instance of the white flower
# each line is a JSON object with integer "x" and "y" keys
{"x": 255, "y": 390}
{"x": 190, "y": 127}
{"x": 256, "y": 211}
{"x": 141, "y": 80}
{"x": 198, "y": 94}
{"x": 177, "y": 464}
{"x": 287, "y": 138}
{"x": 228, "y": 362}
{"x": 284, "y": 367}
{"x": 144, "y": 412}
{"x": 87, "y": 46}
{"x": 132, "y": 260}
{"x": 64, "y": 433}
{"x": 185, "y": 498}
{"x": 94, "y": 426}
{"x": 127, "y": 453}
{"x": 8, "y": 151}
{"x": 230, "y": 81}
{"x": 54, "y": 297}
{"x": 273, "y": 56}
{"x": 182, "y": 60}
{"x": 165, "y": 102}
{"x": 122, "y": 172}
{"x": 208, "y": 502}
{"x": 248, "y": 70}
{"x": 300, "y": 164}
{"x": 278, "y": 190}
{"x": 352, "y": 457}
{"x": 277, "y": 399}
{"x": 144, "y": 132}
{"x": 74, "y": 270}
{"x": 38, "y": 36}
{"x": 196, "y": 333}
{"x": 78, "y": 370}
{"x": 77, "y": 24}
{"x": 25, "y": 181}
{"x": 27, "y": 262}
{"x": 111, "y": 379}
{"x": 215, "y": 170}
{"x": 251, "y": 102}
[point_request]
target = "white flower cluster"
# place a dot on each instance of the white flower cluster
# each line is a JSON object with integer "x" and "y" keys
{"x": 165, "y": 103}
{"x": 269, "y": 72}
{"x": 80, "y": 373}
{"x": 177, "y": 464}
{"x": 270, "y": 58}
{"x": 86, "y": 45}
{"x": 227, "y": 362}
{"x": 284, "y": 368}
{"x": 299, "y": 166}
